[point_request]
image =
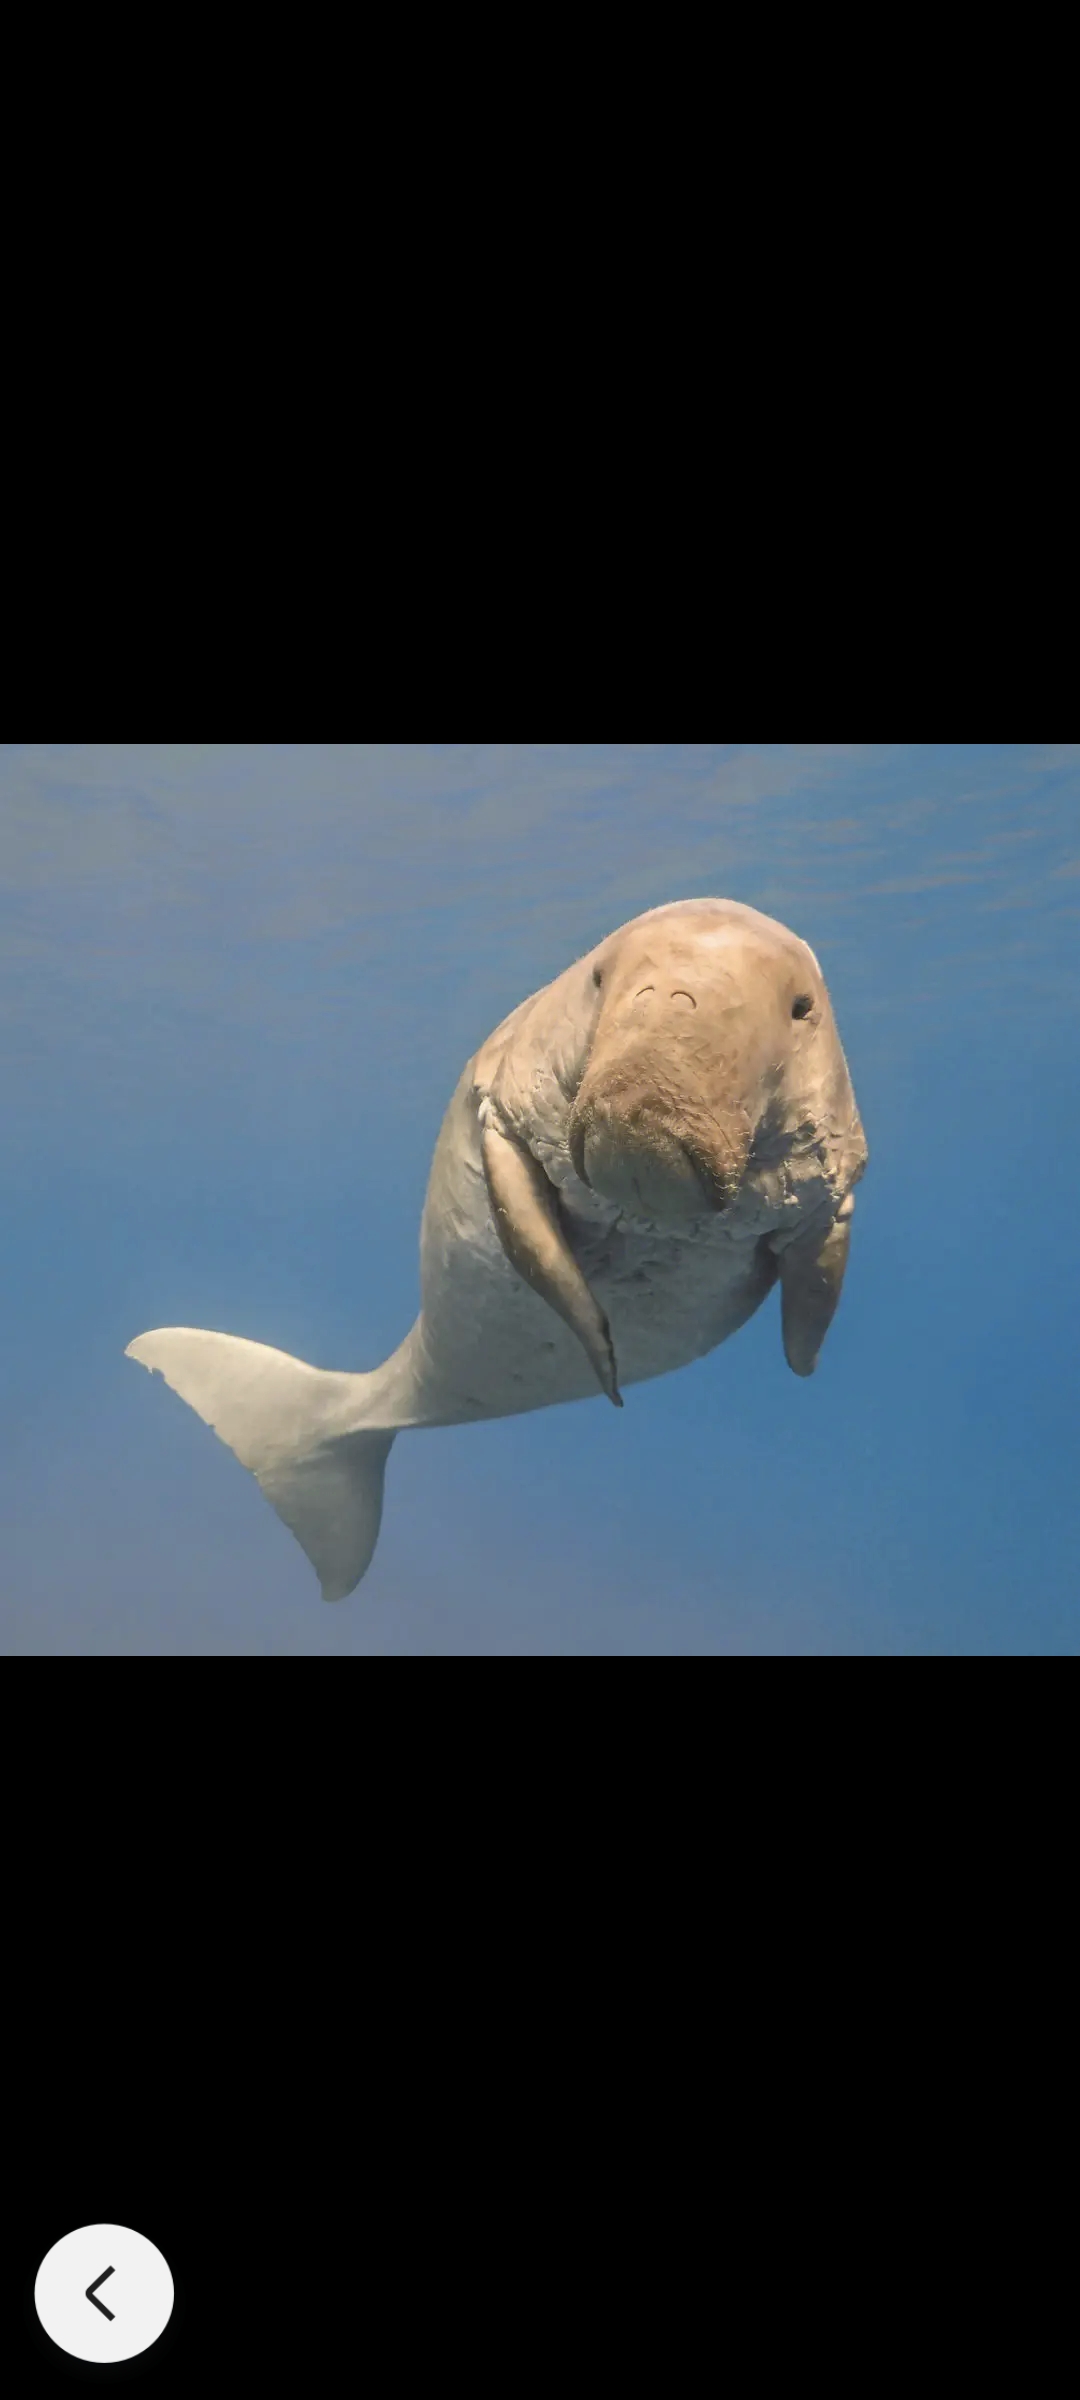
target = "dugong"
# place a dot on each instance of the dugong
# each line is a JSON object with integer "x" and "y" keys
{"x": 629, "y": 1163}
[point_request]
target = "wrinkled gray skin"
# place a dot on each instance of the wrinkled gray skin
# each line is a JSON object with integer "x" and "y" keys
{"x": 631, "y": 1161}
{"x": 627, "y": 1166}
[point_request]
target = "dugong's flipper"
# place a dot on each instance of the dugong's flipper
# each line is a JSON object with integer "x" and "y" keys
{"x": 523, "y": 1204}
{"x": 277, "y": 1413}
{"x": 811, "y": 1277}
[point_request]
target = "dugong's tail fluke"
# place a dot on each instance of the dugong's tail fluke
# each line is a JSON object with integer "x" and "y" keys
{"x": 279, "y": 1415}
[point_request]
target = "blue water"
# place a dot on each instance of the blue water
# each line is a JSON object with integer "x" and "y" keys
{"x": 237, "y": 986}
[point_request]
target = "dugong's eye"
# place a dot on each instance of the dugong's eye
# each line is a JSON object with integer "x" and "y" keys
{"x": 803, "y": 1005}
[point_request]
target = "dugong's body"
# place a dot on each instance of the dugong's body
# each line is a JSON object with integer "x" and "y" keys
{"x": 629, "y": 1163}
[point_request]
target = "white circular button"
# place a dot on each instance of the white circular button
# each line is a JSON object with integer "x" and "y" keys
{"x": 103, "y": 2293}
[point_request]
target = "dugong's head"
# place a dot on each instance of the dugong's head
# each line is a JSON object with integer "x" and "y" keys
{"x": 713, "y": 1035}
{"x": 688, "y": 1059}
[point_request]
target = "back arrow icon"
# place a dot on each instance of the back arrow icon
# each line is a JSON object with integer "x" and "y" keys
{"x": 91, "y": 2289}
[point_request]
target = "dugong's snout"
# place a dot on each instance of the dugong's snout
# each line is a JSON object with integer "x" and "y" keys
{"x": 641, "y": 1158}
